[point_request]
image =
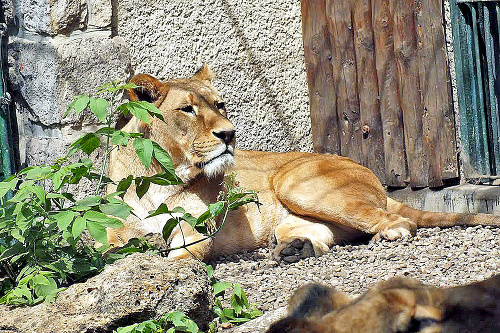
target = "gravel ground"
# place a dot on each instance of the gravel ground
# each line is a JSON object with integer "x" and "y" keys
{"x": 440, "y": 257}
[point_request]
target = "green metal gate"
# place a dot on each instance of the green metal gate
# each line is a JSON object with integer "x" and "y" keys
{"x": 476, "y": 29}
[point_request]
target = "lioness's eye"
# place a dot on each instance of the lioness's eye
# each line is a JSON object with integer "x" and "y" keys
{"x": 220, "y": 105}
{"x": 187, "y": 109}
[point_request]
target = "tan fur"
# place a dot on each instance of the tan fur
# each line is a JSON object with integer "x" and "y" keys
{"x": 316, "y": 200}
{"x": 397, "y": 305}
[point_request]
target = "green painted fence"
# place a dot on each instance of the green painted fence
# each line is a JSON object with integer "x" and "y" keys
{"x": 476, "y": 30}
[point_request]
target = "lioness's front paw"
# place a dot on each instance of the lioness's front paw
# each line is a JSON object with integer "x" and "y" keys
{"x": 292, "y": 250}
{"x": 393, "y": 234}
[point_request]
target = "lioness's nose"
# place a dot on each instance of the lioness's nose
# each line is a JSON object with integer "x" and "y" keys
{"x": 226, "y": 136}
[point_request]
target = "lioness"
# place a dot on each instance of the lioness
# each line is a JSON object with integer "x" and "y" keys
{"x": 397, "y": 305}
{"x": 309, "y": 201}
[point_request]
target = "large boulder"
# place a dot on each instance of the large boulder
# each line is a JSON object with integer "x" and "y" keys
{"x": 137, "y": 288}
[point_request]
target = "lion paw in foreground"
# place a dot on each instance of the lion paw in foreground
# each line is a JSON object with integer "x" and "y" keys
{"x": 309, "y": 201}
{"x": 397, "y": 305}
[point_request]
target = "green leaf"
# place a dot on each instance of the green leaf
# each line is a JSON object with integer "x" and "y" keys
{"x": 7, "y": 185}
{"x": 124, "y": 184}
{"x": 99, "y": 107}
{"x": 141, "y": 186}
{"x": 39, "y": 192}
{"x": 64, "y": 219}
{"x": 40, "y": 279}
{"x": 240, "y": 293}
{"x": 80, "y": 103}
{"x": 153, "y": 110}
{"x": 144, "y": 150}
{"x": 210, "y": 270}
{"x": 38, "y": 172}
{"x": 219, "y": 287}
{"x": 216, "y": 208}
{"x": 87, "y": 143}
{"x": 86, "y": 203}
{"x": 126, "y": 329}
{"x": 168, "y": 227}
{"x": 120, "y": 138}
{"x": 190, "y": 219}
{"x": 78, "y": 226}
{"x": 102, "y": 219}
{"x": 118, "y": 209}
{"x": 135, "y": 109}
{"x": 162, "y": 209}
{"x": 163, "y": 158}
{"x": 236, "y": 304}
{"x": 59, "y": 177}
{"x": 12, "y": 251}
{"x": 46, "y": 290}
{"x": 98, "y": 232}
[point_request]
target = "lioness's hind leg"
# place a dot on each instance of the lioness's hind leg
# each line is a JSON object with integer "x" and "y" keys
{"x": 299, "y": 238}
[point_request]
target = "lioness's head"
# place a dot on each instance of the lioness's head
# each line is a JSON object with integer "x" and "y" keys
{"x": 196, "y": 132}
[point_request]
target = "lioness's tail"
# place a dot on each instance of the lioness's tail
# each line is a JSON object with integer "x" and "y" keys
{"x": 425, "y": 219}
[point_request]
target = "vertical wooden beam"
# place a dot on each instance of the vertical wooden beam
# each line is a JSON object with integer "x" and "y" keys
{"x": 491, "y": 39}
{"x": 369, "y": 106}
{"x": 405, "y": 49}
{"x": 392, "y": 121}
{"x": 439, "y": 122}
{"x": 322, "y": 97}
{"x": 339, "y": 18}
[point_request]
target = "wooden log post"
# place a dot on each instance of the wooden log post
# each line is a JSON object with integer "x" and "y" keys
{"x": 339, "y": 18}
{"x": 405, "y": 49}
{"x": 438, "y": 117}
{"x": 322, "y": 96}
{"x": 392, "y": 121}
{"x": 369, "y": 105}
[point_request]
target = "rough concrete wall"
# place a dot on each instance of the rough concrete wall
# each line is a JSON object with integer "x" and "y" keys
{"x": 255, "y": 48}
{"x": 58, "y": 49}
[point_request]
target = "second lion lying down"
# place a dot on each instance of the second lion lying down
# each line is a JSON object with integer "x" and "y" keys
{"x": 396, "y": 305}
{"x": 309, "y": 201}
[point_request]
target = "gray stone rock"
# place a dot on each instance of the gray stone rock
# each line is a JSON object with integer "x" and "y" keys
{"x": 50, "y": 73}
{"x": 8, "y": 11}
{"x": 46, "y": 75}
{"x": 100, "y": 12}
{"x": 49, "y": 17}
{"x": 137, "y": 288}
{"x": 67, "y": 15}
{"x": 34, "y": 16}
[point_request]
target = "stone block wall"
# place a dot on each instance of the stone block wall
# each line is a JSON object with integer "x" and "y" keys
{"x": 58, "y": 49}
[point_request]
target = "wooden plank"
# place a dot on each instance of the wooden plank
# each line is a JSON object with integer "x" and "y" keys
{"x": 438, "y": 117}
{"x": 462, "y": 70}
{"x": 479, "y": 120}
{"x": 472, "y": 154}
{"x": 491, "y": 39}
{"x": 369, "y": 106}
{"x": 317, "y": 50}
{"x": 339, "y": 18}
{"x": 392, "y": 123}
{"x": 405, "y": 49}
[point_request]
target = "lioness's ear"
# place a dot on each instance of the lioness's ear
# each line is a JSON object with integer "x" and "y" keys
{"x": 204, "y": 74}
{"x": 149, "y": 88}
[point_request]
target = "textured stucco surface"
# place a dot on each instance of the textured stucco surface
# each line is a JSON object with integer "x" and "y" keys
{"x": 59, "y": 49}
{"x": 254, "y": 47}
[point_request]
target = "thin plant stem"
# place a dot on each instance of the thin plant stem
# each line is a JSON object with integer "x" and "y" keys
{"x": 106, "y": 151}
{"x": 203, "y": 239}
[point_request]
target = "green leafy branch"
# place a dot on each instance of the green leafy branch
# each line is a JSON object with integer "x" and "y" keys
{"x": 41, "y": 249}
{"x": 231, "y": 198}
